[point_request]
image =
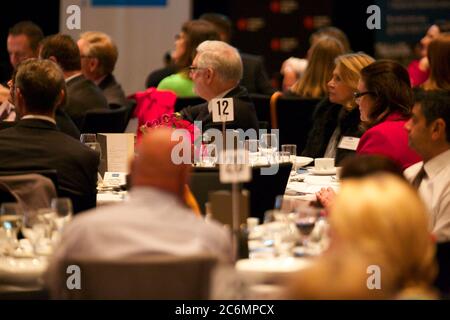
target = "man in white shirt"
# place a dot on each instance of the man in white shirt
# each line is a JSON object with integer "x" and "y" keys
{"x": 154, "y": 220}
{"x": 429, "y": 134}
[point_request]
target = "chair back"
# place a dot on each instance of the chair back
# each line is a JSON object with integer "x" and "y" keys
{"x": 105, "y": 121}
{"x": 141, "y": 277}
{"x": 293, "y": 117}
{"x": 262, "y": 106}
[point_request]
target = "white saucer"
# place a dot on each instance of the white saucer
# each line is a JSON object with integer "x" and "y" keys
{"x": 303, "y": 161}
{"x": 327, "y": 172}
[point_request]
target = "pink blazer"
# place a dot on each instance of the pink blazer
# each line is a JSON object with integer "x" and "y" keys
{"x": 389, "y": 138}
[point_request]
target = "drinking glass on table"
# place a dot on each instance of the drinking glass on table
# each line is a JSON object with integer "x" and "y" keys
{"x": 292, "y": 149}
{"x": 268, "y": 145}
{"x": 11, "y": 216}
{"x": 38, "y": 226}
{"x": 251, "y": 147}
{"x": 62, "y": 207}
{"x": 305, "y": 220}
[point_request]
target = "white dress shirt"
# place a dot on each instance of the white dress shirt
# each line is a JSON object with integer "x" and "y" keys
{"x": 151, "y": 221}
{"x": 435, "y": 192}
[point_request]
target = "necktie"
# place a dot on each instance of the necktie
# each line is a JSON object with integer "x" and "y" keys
{"x": 419, "y": 177}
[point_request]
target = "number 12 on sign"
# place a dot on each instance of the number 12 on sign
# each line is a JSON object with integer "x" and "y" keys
{"x": 222, "y": 110}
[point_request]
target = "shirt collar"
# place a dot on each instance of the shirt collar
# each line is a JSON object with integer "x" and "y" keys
{"x": 73, "y": 76}
{"x": 40, "y": 117}
{"x": 436, "y": 164}
{"x": 219, "y": 96}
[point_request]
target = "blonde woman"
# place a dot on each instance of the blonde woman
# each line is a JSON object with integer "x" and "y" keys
{"x": 379, "y": 231}
{"x": 313, "y": 83}
{"x": 337, "y": 118}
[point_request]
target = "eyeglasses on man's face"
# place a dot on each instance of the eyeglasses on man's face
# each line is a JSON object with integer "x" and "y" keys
{"x": 358, "y": 95}
{"x": 194, "y": 68}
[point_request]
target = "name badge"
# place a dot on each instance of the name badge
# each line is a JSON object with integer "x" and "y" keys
{"x": 349, "y": 143}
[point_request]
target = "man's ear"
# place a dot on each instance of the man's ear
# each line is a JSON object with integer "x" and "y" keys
{"x": 93, "y": 64}
{"x": 19, "y": 101}
{"x": 438, "y": 129}
{"x": 209, "y": 75}
{"x": 61, "y": 99}
{"x": 53, "y": 58}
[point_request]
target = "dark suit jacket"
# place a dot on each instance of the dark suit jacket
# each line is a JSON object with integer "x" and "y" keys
{"x": 244, "y": 112}
{"x": 113, "y": 92}
{"x": 83, "y": 95}
{"x": 35, "y": 144}
{"x": 255, "y": 77}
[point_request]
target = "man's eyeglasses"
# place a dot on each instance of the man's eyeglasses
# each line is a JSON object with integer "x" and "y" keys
{"x": 194, "y": 68}
{"x": 357, "y": 94}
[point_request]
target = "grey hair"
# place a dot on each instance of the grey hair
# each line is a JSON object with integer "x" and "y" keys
{"x": 222, "y": 58}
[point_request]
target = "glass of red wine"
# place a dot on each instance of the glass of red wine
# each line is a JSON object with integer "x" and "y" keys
{"x": 305, "y": 221}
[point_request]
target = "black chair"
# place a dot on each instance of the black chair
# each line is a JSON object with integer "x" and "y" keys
{"x": 262, "y": 106}
{"x": 293, "y": 117}
{"x": 104, "y": 121}
{"x": 263, "y": 188}
{"x": 443, "y": 259}
{"x": 183, "y": 102}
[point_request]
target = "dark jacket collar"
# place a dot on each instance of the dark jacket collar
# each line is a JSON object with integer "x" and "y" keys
{"x": 36, "y": 124}
{"x": 107, "y": 81}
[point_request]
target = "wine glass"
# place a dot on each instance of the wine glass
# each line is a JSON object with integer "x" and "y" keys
{"x": 63, "y": 209}
{"x": 38, "y": 226}
{"x": 11, "y": 215}
{"x": 292, "y": 149}
{"x": 268, "y": 145}
{"x": 305, "y": 220}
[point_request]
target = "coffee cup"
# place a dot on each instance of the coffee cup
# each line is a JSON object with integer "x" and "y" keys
{"x": 322, "y": 164}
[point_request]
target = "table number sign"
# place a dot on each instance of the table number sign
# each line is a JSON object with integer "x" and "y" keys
{"x": 222, "y": 110}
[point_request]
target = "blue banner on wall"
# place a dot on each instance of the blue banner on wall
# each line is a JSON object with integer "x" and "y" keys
{"x": 123, "y": 3}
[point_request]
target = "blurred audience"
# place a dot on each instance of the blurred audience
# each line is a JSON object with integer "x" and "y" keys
{"x": 429, "y": 134}
{"x": 419, "y": 69}
{"x": 313, "y": 83}
{"x": 439, "y": 63}
{"x": 35, "y": 143}
{"x": 191, "y": 35}
{"x": 82, "y": 94}
{"x": 154, "y": 220}
{"x": 99, "y": 55}
{"x": 336, "y": 120}
{"x": 385, "y": 99}
{"x": 380, "y": 246}
{"x": 22, "y": 43}
{"x": 330, "y": 31}
{"x": 292, "y": 69}
{"x": 216, "y": 72}
{"x": 254, "y": 76}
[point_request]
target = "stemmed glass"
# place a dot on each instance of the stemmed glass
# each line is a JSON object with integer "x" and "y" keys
{"x": 251, "y": 148}
{"x": 38, "y": 227}
{"x": 268, "y": 145}
{"x": 11, "y": 215}
{"x": 306, "y": 218}
{"x": 63, "y": 209}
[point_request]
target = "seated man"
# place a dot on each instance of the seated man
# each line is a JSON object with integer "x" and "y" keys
{"x": 98, "y": 59}
{"x": 82, "y": 94}
{"x": 216, "y": 72}
{"x": 36, "y": 144}
{"x": 429, "y": 135}
{"x": 154, "y": 220}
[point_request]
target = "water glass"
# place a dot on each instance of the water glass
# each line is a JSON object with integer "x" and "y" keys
{"x": 292, "y": 149}
{"x": 11, "y": 216}
{"x": 268, "y": 145}
{"x": 63, "y": 209}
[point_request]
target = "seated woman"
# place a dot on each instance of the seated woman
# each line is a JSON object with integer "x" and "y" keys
{"x": 385, "y": 99}
{"x": 419, "y": 70}
{"x": 192, "y": 34}
{"x": 313, "y": 83}
{"x": 336, "y": 120}
{"x": 439, "y": 60}
{"x": 380, "y": 246}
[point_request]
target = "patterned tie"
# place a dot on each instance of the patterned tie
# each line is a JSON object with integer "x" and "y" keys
{"x": 419, "y": 177}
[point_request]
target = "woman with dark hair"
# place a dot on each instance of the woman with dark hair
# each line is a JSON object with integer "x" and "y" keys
{"x": 385, "y": 99}
{"x": 192, "y": 34}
